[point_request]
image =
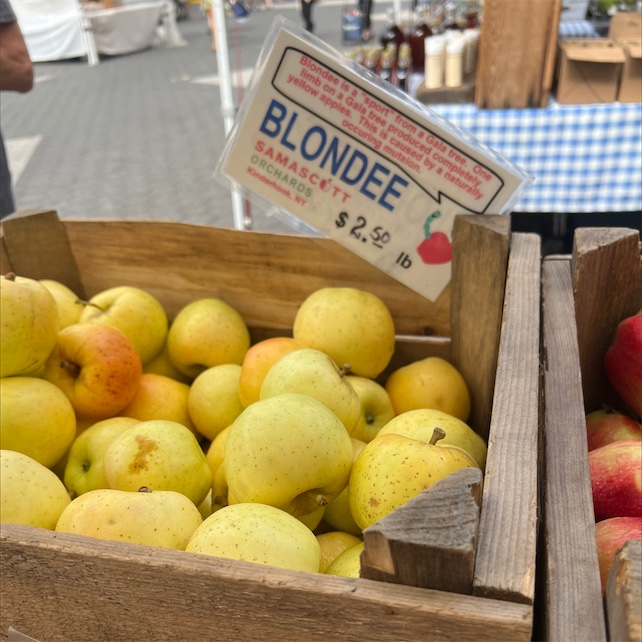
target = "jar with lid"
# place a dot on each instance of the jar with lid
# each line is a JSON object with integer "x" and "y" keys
{"x": 416, "y": 39}
{"x": 392, "y": 32}
{"x": 434, "y": 64}
{"x": 454, "y": 69}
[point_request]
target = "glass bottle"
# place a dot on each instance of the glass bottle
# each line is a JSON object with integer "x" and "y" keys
{"x": 392, "y": 32}
{"x": 404, "y": 66}
{"x": 420, "y": 31}
{"x": 386, "y": 71}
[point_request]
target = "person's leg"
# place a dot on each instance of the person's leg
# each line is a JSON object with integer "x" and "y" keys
{"x": 211, "y": 24}
{"x": 306, "y": 13}
{"x": 366, "y": 10}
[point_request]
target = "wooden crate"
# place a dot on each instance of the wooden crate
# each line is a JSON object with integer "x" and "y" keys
{"x": 59, "y": 587}
{"x": 584, "y": 297}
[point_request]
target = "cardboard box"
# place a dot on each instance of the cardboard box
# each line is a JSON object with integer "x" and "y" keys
{"x": 589, "y": 71}
{"x": 631, "y": 82}
{"x": 58, "y": 587}
{"x": 584, "y": 297}
{"x": 624, "y": 25}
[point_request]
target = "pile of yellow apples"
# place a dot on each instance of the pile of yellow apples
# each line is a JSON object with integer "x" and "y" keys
{"x": 119, "y": 423}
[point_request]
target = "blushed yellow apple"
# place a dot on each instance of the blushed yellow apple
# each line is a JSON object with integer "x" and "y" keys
{"x": 313, "y": 373}
{"x": 161, "y": 455}
{"x": 392, "y": 469}
{"x": 30, "y": 493}
{"x": 289, "y": 451}
{"x": 69, "y": 306}
{"x": 36, "y": 419}
{"x": 213, "y": 402}
{"x": 337, "y": 513}
{"x": 347, "y": 563}
{"x": 160, "y": 397}
{"x": 352, "y": 326}
{"x": 161, "y": 364}
{"x": 84, "y": 469}
{"x": 429, "y": 383}
{"x": 376, "y": 407}
{"x": 97, "y": 367}
{"x": 332, "y": 544}
{"x": 28, "y": 325}
{"x": 161, "y": 518}
{"x": 258, "y": 533}
{"x": 216, "y": 450}
{"x": 420, "y": 424}
{"x": 258, "y": 360}
{"x": 206, "y": 333}
{"x": 135, "y": 312}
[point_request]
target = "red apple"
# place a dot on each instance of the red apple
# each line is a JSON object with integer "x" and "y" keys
{"x": 623, "y": 362}
{"x": 603, "y": 427}
{"x": 612, "y": 534}
{"x": 97, "y": 367}
{"x": 616, "y": 479}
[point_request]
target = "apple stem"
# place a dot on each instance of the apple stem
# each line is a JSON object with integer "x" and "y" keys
{"x": 71, "y": 368}
{"x": 10, "y": 276}
{"x": 93, "y": 305}
{"x": 344, "y": 370}
{"x": 437, "y": 434}
{"x": 144, "y": 489}
{"x": 321, "y": 500}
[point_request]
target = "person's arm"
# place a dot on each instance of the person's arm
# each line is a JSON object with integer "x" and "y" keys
{"x": 16, "y": 68}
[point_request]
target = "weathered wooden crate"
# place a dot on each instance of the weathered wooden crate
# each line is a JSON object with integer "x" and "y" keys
{"x": 58, "y": 587}
{"x": 584, "y": 297}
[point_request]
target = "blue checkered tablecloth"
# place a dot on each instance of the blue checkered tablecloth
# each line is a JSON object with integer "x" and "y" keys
{"x": 585, "y": 158}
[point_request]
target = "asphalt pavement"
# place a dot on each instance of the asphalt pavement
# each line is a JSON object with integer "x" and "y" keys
{"x": 139, "y": 136}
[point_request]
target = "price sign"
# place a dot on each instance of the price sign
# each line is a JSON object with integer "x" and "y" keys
{"x": 329, "y": 143}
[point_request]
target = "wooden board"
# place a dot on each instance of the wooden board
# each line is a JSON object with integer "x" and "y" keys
{"x": 607, "y": 282}
{"x": 624, "y": 594}
{"x": 506, "y": 550}
{"x": 514, "y": 68}
{"x": 573, "y": 595}
{"x": 84, "y": 589}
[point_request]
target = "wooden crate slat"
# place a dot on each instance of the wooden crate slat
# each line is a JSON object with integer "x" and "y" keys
{"x": 573, "y": 599}
{"x": 607, "y": 282}
{"x": 624, "y": 594}
{"x": 480, "y": 259}
{"x": 123, "y": 592}
{"x": 505, "y": 566}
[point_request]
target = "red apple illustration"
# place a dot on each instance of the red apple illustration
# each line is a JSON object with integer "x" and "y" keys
{"x": 623, "y": 362}
{"x": 435, "y": 249}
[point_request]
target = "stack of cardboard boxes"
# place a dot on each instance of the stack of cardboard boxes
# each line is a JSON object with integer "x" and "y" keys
{"x": 603, "y": 70}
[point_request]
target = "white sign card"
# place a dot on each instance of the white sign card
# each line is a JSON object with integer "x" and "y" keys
{"x": 328, "y": 142}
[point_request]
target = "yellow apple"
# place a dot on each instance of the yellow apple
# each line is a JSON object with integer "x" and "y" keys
{"x": 161, "y": 518}
{"x": 136, "y": 313}
{"x": 161, "y": 364}
{"x": 216, "y": 450}
{"x": 30, "y": 493}
{"x": 213, "y": 402}
{"x": 161, "y": 455}
{"x": 97, "y": 367}
{"x": 352, "y": 326}
{"x": 220, "y": 489}
{"x": 36, "y": 419}
{"x": 258, "y": 533}
{"x": 337, "y": 513}
{"x": 258, "y": 360}
{"x": 206, "y": 333}
{"x": 28, "y": 325}
{"x": 313, "y": 373}
{"x": 420, "y": 424}
{"x": 84, "y": 469}
{"x": 313, "y": 519}
{"x": 429, "y": 383}
{"x": 205, "y": 507}
{"x": 347, "y": 563}
{"x": 333, "y": 544}
{"x": 376, "y": 407}
{"x": 392, "y": 469}
{"x": 69, "y": 306}
{"x": 288, "y": 451}
{"x": 160, "y": 397}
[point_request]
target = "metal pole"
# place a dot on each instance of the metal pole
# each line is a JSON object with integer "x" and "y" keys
{"x": 228, "y": 110}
